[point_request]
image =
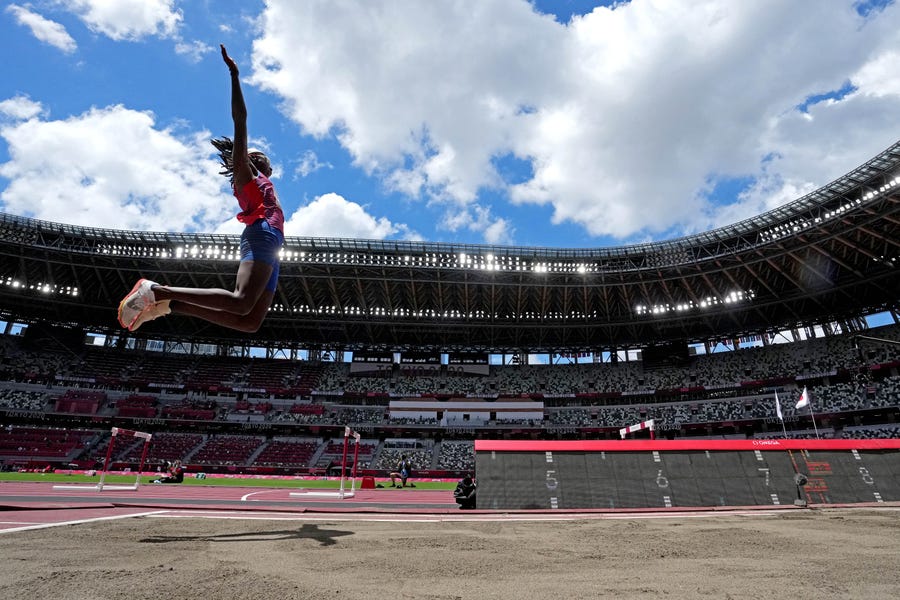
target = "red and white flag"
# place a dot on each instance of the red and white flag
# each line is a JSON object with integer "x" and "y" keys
{"x": 804, "y": 399}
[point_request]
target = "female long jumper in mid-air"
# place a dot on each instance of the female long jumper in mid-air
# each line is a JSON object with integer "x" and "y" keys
{"x": 257, "y": 277}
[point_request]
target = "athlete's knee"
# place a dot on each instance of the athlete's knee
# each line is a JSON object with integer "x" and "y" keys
{"x": 250, "y": 323}
{"x": 242, "y": 303}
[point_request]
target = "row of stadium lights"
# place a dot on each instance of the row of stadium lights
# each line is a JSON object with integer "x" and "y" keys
{"x": 354, "y": 311}
{"x": 708, "y": 302}
{"x": 891, "y": 184}
{"x": 797, "y": 225}
{"x": 640, "y": 310}
{"x": 43, "y": 288}
{"x": 488, "y": 262}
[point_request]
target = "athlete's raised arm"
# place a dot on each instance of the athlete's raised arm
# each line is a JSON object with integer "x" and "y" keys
{"x": 243, "y": 172}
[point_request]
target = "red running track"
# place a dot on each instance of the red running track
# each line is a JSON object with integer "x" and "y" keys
{"x": 46, "y": 495}
{"x": 25, "y": 506}
{"x": 32, "y": 505}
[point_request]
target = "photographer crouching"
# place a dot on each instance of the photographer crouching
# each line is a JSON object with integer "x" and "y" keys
{"x": 176, "y": 473}
{"x": 465, "y": 492}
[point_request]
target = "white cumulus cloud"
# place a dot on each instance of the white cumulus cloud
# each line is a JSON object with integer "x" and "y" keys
{"x": 309, "y": 163}
{"x": 21, "y": 107}
{"x": 331, "y": 215}
{"x": 128, "y": 19}
{"x": 194, "y": 51}
{"x": 111, "y": 167}
{"x": 45, "y": 30}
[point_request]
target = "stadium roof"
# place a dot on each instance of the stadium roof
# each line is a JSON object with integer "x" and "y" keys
{"x": 830, "y": 256}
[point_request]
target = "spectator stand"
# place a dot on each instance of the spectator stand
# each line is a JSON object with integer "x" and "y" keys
{"x": 287, "y": 452}
{"x": 30, "y": 446}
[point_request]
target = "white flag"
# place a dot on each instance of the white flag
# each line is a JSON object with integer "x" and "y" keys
{"x": 804, "y": 399}
{"x": 778, "y": 407}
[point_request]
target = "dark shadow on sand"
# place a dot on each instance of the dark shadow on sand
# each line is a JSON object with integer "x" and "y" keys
{"x": 325, "y": 537}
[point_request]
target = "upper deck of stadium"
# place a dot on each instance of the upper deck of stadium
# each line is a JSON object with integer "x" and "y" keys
{"x": 827, "y": 257}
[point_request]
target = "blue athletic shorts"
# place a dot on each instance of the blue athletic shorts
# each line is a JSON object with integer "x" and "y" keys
{"x": 260, "y": 241}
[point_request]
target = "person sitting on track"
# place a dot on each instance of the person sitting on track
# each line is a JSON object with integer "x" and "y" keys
{"x": 403, "y": 473}
{"x": 176, "y": 474}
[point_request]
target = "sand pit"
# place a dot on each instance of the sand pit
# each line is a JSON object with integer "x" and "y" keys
{"x": 834, "y": 553}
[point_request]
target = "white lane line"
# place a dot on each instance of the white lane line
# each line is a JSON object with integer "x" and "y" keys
{"x": 81, "y": 521}
{"x": 294, "y": 518}
{"x": 453, "y": 518}
{"x": 245, "y": 496}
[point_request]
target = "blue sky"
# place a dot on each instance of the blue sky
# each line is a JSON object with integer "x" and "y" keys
{"x": 560, "y": 124}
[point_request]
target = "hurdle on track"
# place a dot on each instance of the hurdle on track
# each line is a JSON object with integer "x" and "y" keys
{"x": 639, "y": 426}
{"x": 342, "y": 492}
{"x": 101, "y": 485}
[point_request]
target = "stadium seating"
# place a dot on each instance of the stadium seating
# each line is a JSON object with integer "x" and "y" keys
{"x": 855, "y": 392}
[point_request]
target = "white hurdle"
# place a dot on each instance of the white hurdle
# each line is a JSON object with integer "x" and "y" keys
{"x": 639, "y": 426}
{"x": 101, "y": 485}
{"x": 342, "y": 493}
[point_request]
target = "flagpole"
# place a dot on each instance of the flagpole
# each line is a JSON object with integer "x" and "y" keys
{"x": 805, "y": 401}
{"x": 813, "y": 417}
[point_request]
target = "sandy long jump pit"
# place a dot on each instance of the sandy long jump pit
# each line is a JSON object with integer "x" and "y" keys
{"x": 786, "y": 553}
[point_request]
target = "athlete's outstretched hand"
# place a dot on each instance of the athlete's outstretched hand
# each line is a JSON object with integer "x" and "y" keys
{"x": 232, "y": 66}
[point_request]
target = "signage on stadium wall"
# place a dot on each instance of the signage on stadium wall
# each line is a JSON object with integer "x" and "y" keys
{"x": 373, "y": 357}
{"x": 467, "y": 358}
{"x": 372, "y": 363}
{"x": 468, "y": 363}
{"x": 420, "y": 358}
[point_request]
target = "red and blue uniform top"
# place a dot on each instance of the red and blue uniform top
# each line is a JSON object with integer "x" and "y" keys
{"x": 258, "y": 200}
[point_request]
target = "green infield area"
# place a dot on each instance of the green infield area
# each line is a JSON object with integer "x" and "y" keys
{"x": 220, "y": 480}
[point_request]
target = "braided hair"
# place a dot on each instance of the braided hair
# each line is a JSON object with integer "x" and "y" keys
{"x": 225, "y": 147}
{"x": 226, "y": 158}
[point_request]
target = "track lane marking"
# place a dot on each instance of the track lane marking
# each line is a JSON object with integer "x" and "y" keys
{"x": 81, "y": 521}
{"x": 351, "y": 517}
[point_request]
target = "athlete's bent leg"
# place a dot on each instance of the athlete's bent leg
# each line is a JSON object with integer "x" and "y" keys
{"x": 252, "y": 277}
{"x": 249, "y": 323}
